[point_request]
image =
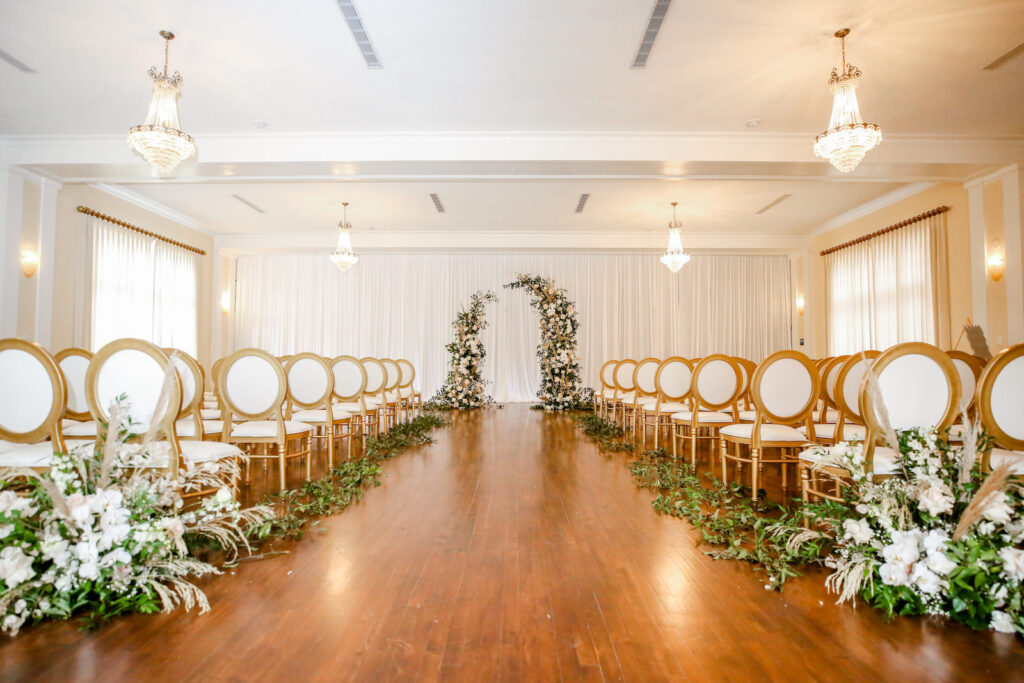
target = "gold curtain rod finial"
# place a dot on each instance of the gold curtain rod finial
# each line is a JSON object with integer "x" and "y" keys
{"x": 842, "y": 33}
{"x": 166, "y": 35}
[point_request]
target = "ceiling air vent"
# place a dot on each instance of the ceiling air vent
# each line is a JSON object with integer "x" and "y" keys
{"x": 582, "y": 202}
{"x": 1003, "y": 59}
{"x": 348, "y": 10}
{"x": 248, "y": 203}
{"x": 778, "y": 200}
{"x": 437, "y": 202}
{"x": 651, "y": 34}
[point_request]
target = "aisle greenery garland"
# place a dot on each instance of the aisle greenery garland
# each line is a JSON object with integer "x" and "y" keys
{"x": 465, "y": 387}
{"x": 939, "y": 536}
{"x": 561, "y": 376}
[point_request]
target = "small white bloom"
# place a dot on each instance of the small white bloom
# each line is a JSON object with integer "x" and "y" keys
{"x": 15, "y": 567}
{"x": 925, "y": 579}
{"x": 894, "y": 573}
{"x": 934, "y": 497}
{"x": 939, "y": 563}
{"x": 1001, "y": 622}
{"x": 936, "y": 539}
{"x": 224, "y": 495}
{"x": 1013, "y": 562}
{"x": 857, "y": 531}
{"x": 998, "y": 511}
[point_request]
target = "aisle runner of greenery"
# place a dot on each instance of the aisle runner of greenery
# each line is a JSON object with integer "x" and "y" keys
{"x": 938, "y": 537}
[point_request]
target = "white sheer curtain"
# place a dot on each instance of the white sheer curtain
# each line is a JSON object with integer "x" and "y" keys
{"x": 889, "y": 289}
{"x": 141, "y": 287}
{"x": 401, "y": 306}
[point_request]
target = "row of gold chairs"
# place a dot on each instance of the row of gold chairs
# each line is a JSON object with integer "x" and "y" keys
{"x": 771, "y": 413}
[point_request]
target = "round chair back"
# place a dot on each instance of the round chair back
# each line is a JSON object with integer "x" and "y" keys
{"x": 608, "y": 374}
{"x": 673, "y": 379}
{"x": 191, "y": 377}
{"x": 847, "y": 389}
{"x": 969, "y": 369}
{"x": 623, "y": 376}
{"x": 136, "y": 369}
{"x": 1001, "y": 398}
{"x": 786, "y": 387}
{"x": 376, "y": 374}
{"x": 310, "y": 381}
{"x": 73, "y": 363}
{"x": 643, "y": 377}
{"x": 349, "y": 378}
{"x": 252, "y": 384}
{"x": 918, "y": 385}
{"x": 717, "y": 381}
{"x": 393, "y": 374}
{"x": 34, "y": 396}
{"x": 744, "y": 375}
{"x": 408, "y": 373}
{"x": 829, "y": 377}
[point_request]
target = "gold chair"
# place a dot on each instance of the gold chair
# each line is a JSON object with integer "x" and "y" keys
{"x": 392, "y": 396}
{"x": 311, "y": 389}
{"x": 1000, "y": 403}
{"x": 411, "y": 398}
{"x": 78, "y": 422}
{"x": 716, "y": 384}
{"x": 785, "y": 389}
{"x": 350, "y": 393}
{"x": 190, "y": 424}
{"x": 376, "y": 379}
{"x": 606, "y": 395}
{"x": 828, "y": 413}
{"x": 253, "y": 386}
{"x": 672, "y": 382}
{"x": 645, "y": 392}
{"x": 623, "y": 379}
{"x": 845, "y": 393}
{"x": 32, "y": 405}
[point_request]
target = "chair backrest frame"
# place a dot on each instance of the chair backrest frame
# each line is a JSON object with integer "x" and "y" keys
{"x": 48, "y": 422}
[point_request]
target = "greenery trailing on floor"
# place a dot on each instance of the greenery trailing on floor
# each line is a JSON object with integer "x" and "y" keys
{"x": 304, "y": 507}
{"x": 608, "y": 435}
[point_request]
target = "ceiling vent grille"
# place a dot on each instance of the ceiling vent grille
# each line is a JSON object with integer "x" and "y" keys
{"x": 16, "y": 63}
{"x": 437, "y": 202}
{"x": 582, "y": 202}
{"x": 778, "y": 200}
{"x": 651, "y": 33}
{"x": 1003, "y": 59}
{"x": 248, "y": 203}
{"x": 355, "y": 24}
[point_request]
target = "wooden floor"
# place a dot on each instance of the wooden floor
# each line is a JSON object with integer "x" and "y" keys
{"x": 509, "y": 550}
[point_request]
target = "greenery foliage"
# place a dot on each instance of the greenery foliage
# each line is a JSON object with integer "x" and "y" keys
{"x": 464, "y": 387}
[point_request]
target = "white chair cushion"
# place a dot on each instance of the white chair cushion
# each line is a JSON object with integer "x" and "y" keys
{"x": 28, "y": 455}
{"x": 268, "y": 428}
{"x": 768, "y": 432}
{"x": 187, "y": 427}
{"x": 352, "y": 407}
{"x": 666, "y": 407}
{"x": 405, "y": 392}
{"x": 831, "y": 416}
{"x": 319, "y": 415}
{"x": 8, "y": 446}
{"x": 391, "y": 396}
{"x": 67, "y": 422}
{"x": 628, "y": 398}
{"x": 81, "y": 429}
{"x": 1001, "y": 455}
{"x": 747, "y": 415}
{"x": 205, "y": 451}
{"x": 703, "y": 416}
{"x": 884, "y": 458}
{"x": 826, "y": 431}
{"x": 608, "y": 394}
{"x": 209, "y": 413}
{"x": 956, "y": 433}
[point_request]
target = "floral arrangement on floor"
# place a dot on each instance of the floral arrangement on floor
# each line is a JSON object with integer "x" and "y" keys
{"x": 561, "y": 376}
{"x": 464, "y": 387}
{"x": 100, "y": 535}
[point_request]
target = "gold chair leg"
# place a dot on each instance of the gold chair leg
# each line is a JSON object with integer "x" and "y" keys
{"x": 755, "y": 470}
{"x": 282, "y": 449}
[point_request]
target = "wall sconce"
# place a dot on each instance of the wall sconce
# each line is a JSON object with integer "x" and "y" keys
{"x": 996, "y": 262}
{"x": 29, "y": 262}
{"x": 225, "y": 301}
{"x": 800, "y": 304}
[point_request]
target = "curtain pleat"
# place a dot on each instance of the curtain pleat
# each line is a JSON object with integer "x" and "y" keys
{"x": 402, "y": 306}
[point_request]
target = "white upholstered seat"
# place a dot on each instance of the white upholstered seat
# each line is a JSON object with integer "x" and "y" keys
{"x": 704, "y": 416}
{"x": 319, "y": 415}
{"x": 769, "y": 432}
{"x": 205, "y": 451}
{"x": 209, "y": 413}
{"x": 353, "y": 406}
{"x": 187, "y": 427}
{"x": 36, "y": 454}
{"x": 827, "y": 431}
{"x": 268, "y": 428}
{"x": 1000, "y": 455}
{"x": 81, "y": 429}
{"x": 667, "y": 407}
{"x": 884, "y": 461}
{"x": 747, "y": 415}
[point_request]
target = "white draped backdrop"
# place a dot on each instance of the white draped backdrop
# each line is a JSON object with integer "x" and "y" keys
{"x": 402, "y": 306}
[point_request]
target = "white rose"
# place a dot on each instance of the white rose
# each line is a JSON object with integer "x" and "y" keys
{"x": 939, "y": 563}
{"x": 902, "y": 551}
{"x": 5, "y": 530}
{"x": 925, "y": 580}
{"x": 936, "y": 539}
{"x": 1001, "y": 622}
{"x": 857, "y": 531}
{"x": 78, "y": 508}
{"x": 224, "y": 495}
{"x": 12, "y": 502}
{"x": 1013, "y": 562}
{"x": 935, "y": 498}
{"x": 89, "y": 570}
{"x": 894, "y": 574}
{"x": 998, "y": 511}
{"x": 15, "y": 567}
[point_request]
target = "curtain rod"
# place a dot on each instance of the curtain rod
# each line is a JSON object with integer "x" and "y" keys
{"x": 895, "y": 226}
{"x": 110, "y": 219}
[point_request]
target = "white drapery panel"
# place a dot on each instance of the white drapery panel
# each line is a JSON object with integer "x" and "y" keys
{"x": 889, "y": 289}
{"x": 402, "y": 306}
{"x": 140, "y": 287}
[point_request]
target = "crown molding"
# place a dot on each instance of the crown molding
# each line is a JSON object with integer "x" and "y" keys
{"x": 152, "y": 206}
{"x": 875, "y": 204}
{"x": 998, "y": 174}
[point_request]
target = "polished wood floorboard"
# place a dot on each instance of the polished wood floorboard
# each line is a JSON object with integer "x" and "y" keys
{"x": 511, "y": 549}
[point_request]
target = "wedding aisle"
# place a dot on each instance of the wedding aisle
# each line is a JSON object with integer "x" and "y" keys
{"x": 511, "y": 549}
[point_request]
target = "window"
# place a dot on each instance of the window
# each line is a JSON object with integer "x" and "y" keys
{"x": 141, "y": 287}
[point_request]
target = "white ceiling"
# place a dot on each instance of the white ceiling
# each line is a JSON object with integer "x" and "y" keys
{"x": 528, "y": 65}
{"x": 725, "y": 206}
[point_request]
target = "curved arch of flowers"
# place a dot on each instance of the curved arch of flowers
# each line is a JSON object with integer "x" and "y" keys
{"x": 464, "y": 387}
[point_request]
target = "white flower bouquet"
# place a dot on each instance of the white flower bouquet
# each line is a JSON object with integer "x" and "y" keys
{"x": 464, "y": 387}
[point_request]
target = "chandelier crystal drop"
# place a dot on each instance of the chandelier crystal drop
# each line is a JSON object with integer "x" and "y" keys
{"x": 848, "y": 138}
{"x": 160, "y": 140}
{"x": 343, "y": 256}
{"x": 675, "y": 258}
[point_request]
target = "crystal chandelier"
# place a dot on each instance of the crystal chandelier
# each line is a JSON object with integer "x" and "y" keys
{"x": 848, "y": 138}
{"x": 343, "y": 256}
{"x": 160, "y": 140}
{"x": 675, "y": 258}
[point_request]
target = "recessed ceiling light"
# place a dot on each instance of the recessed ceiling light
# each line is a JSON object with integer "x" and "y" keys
{"x": 437, "y": 202}
{"x": 355, "y": 24}
{"x": 259, "y": 124}
{"x": 1004, "y": 58}
{"x": 16, "y": 63}
{"x": 651, "y": 33}
{"x": 583, "y": 202}
{"x": 248, "y": 203}
{"x": 777, "y": 200}
{"x": 753, "y": 123}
